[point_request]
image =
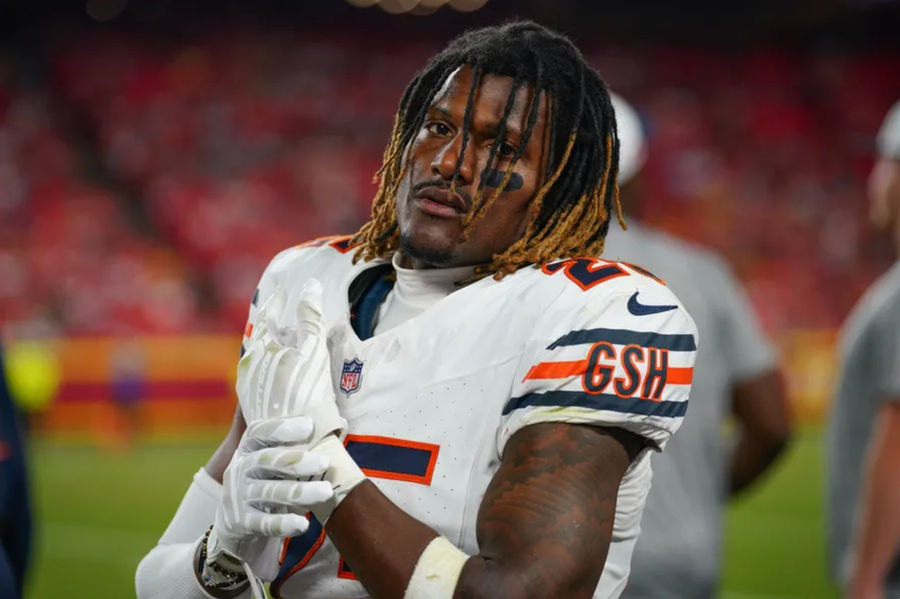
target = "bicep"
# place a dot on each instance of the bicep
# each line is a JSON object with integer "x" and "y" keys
{"x": 221, "y": 457}
{"x": 546, "y": 520}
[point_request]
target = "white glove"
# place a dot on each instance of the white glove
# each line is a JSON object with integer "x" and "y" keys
{"x": 266, "y": 493}
{"x": 286, "y": 370}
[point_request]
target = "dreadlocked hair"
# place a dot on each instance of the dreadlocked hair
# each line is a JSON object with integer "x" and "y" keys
{"x": 569, "y": 214}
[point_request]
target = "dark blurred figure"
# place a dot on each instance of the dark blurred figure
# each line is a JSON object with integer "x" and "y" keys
{"x": 736, "y": 375}
{"x": 864, "y": 432}
{"x": 15, "y": 512}
{"x": 129, "y": 389}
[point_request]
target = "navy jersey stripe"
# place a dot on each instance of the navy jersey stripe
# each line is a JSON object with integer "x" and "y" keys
{"x": 602, "y": 401}
{"x": 299, "y": 550}
{"x": 683, "y": 342}
{"x": 408, "y": 461}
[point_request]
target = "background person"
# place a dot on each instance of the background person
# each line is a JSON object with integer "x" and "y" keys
{"x": 15, "y": 509}
{"x": 736, "y": 379}
{"x": 864, "y": 426}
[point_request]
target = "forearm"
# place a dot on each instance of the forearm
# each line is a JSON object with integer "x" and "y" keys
{"x": 764, "y": 425}
{"x": 380, "y": 542}
{"x": 171, "y": 569}
{"x": 382, "y": 545}
{"x": 362, "y": 523}
{"x": 167, "y": 571}
{"x": 751, "y": 457}
{"x": 544, "y": 525}
{"x": 878, "y": 532}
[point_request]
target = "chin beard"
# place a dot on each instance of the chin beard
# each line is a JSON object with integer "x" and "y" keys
{"x": 431, "y": 257}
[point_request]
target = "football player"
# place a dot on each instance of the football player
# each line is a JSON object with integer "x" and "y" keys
{"x": 460, "y": 399}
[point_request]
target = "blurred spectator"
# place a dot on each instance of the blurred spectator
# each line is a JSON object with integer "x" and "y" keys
{"x": 214, "y": 153}
{"x": 32, "y": 375}
{"x": 15, "y": 510}
{"x": 735, "y": 377}
{"x": 864, "y": 431}
{"x": 129, "y": 388}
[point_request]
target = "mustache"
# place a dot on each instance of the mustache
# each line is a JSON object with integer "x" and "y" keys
{"x": 442, "y": 184}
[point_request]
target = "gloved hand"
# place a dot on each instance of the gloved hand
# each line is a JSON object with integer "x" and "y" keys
{"x": 285, "y": 373}
{"x": 286, "y": 370}
{"x": 266, "y": 494}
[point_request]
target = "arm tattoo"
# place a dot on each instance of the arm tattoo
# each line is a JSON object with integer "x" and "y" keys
{"x": 546, "y": 519}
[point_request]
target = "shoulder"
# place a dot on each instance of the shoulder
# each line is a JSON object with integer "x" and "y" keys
{"x": 324, "y": 252}
{"x": 608, "y": 345}
{"x": 658, "y": 250}
{"x": 585, "y": 292}
{"x": 328, "y": 259}
{"x": 880, "y": 305}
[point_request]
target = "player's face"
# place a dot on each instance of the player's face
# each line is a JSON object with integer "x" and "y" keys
{"x": 884, "y": 195}
{"x": 429, "y": 217}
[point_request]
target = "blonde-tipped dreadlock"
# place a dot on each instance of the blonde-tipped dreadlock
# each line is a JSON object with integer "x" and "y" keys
{"x": 569, "y": 214}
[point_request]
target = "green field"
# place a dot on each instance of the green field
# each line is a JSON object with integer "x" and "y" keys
{"x": 99, "y": 511}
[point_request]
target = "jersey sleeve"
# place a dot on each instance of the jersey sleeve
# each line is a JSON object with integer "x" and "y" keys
{"x": 886, "y": 352}
{"x": 748, "y": 353}
{"x": 264, "y": 289}
{"x": 622, "y": 359}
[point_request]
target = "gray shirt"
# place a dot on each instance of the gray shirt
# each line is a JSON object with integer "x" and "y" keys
{"x": 869, "y": 376}
{"x": 678, "y": 551}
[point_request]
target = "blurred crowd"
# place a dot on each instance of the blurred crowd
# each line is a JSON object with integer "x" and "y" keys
{"x": 146, "y": 181}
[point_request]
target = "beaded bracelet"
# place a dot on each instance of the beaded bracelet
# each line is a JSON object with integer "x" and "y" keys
{"x": 213, "y": 575}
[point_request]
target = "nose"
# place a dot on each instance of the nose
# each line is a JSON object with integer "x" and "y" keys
{"x": 444, "y": 163}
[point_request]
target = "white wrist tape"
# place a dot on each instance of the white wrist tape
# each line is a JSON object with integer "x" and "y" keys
{"x": 437, "y": 571}
{"x": 343, "y": 474}
{"x": 196, "y": 512}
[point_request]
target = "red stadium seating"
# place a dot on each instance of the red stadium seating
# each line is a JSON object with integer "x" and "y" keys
{"x": 241, "y": 143}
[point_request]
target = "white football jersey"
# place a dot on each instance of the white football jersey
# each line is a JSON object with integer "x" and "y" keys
{"x": 432, "y": 402}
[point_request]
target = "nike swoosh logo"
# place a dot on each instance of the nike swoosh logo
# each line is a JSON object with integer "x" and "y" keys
{"x": 639, "y": 309}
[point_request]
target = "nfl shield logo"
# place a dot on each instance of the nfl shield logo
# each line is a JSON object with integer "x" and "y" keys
{"x": 351, "y": 376}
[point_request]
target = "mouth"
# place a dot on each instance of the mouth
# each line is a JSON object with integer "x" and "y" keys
{"x": 440, "y": 202}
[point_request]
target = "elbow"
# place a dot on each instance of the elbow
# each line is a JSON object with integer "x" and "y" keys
{"x": 776, "y": 445}
{"x": 142, "y": 575}
{"x": 774, "y": 441}
{"x": 167, "y": 572}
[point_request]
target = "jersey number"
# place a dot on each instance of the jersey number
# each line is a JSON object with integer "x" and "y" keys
{"x": 586, "y": 272}
{"x": 378, "y": 457}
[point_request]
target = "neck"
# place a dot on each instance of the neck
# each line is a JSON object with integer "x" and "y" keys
{"x": 404, "y": 260}
{"x": 407, "y": 267}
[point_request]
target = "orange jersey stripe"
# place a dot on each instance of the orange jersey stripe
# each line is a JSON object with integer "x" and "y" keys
{"x": 680, "y": 376}
{"x": 560, "y": 370}
{"x": 556, "y": 370}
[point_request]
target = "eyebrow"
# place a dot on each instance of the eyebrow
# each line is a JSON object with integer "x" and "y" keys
{"x": 511, "y": 130}
{"x": 442, "y": 111}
